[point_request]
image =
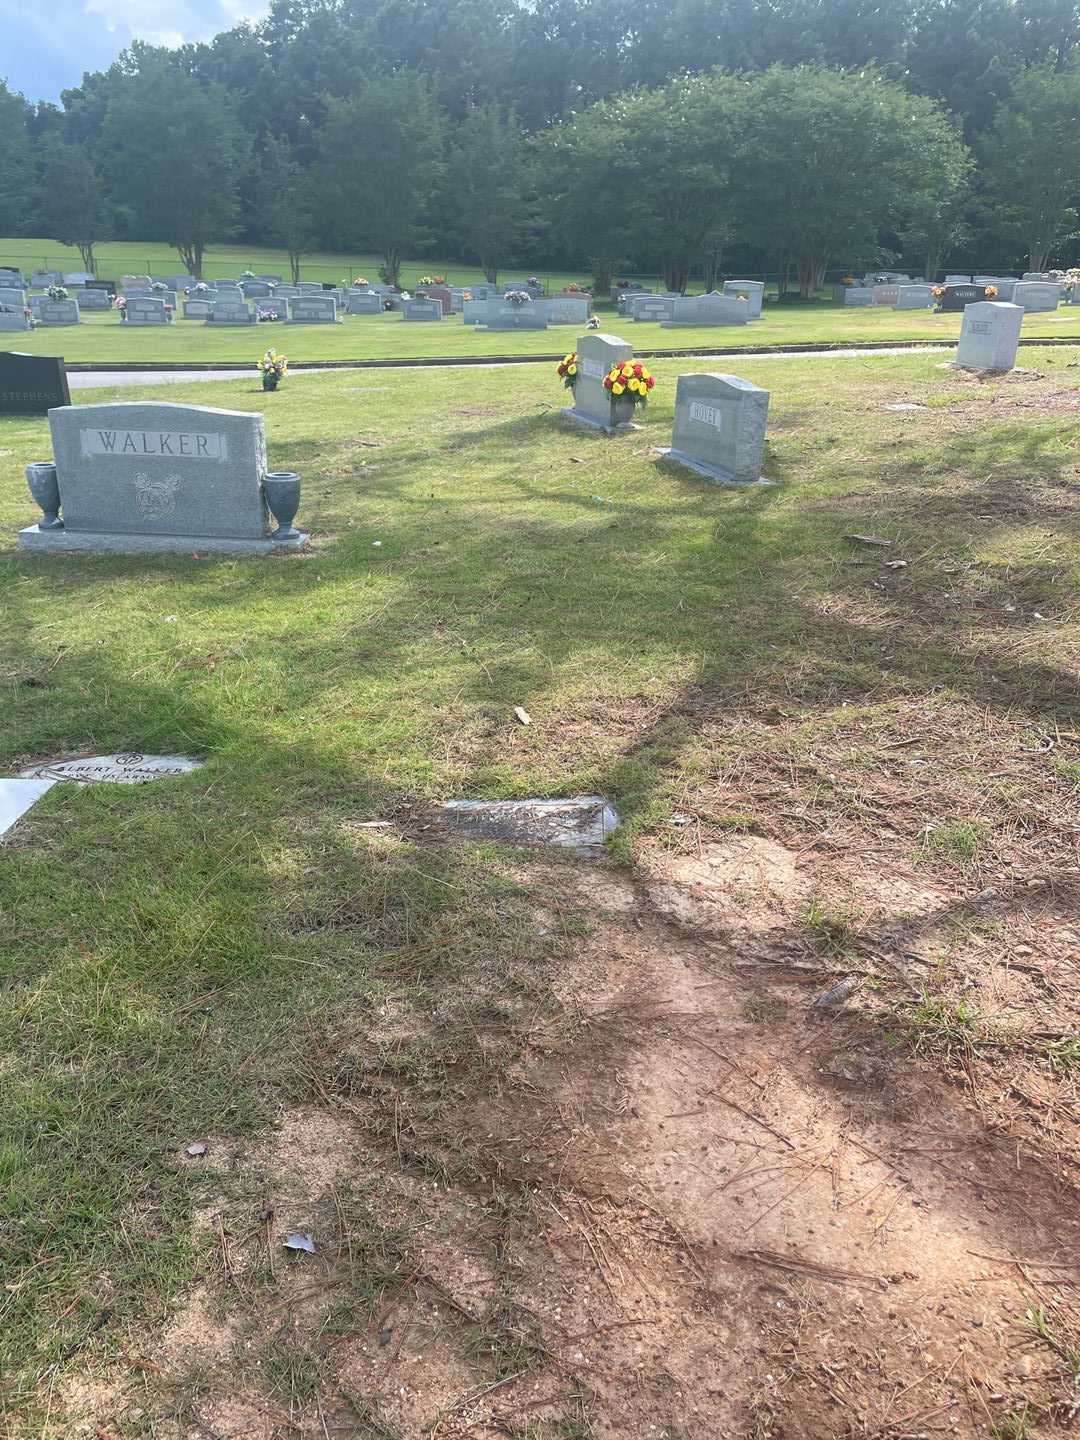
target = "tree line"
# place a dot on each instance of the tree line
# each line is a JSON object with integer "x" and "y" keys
{"x": 780, "y": 135}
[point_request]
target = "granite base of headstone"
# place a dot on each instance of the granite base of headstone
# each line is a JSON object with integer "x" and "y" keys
{"x": 593, "y": 405}
{"x": 719, "y": 429}
{"x": 143, "y": 478}
{"x": 32, "y": 384}
{"x": 989, "y": 336}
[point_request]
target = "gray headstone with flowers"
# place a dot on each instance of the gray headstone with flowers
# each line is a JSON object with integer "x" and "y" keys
{"x": 594, "y": 404}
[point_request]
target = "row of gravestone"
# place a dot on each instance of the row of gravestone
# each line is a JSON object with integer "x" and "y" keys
{"x": 1033, "y": 296}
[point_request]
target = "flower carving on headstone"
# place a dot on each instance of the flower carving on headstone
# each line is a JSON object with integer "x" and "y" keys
{"x": 155, "y": 497}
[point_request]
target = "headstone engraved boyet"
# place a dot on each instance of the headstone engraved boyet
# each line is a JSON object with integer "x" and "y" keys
{"x": 139, "y": 478}
{"x": 989, "y": 335}
{"x": 719, "y": 429}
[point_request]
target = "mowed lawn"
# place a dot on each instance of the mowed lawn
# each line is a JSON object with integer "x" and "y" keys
{"x": 105, "y": 339}
{"x": 184, "y": 959}
{"x": 133, "y": 257}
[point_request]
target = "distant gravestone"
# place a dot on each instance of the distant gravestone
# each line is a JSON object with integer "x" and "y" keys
{"x": 528, "y": 316}
{"x": 885, "y": 294}
{"x": 256, "y": 289}
{"x": 886, "y": 277}
{"x": 956, "y": 297}
{"x": 91, "y": 298}
{"x": 12, "y": 277}
{"x": 422, "y": 310}
{"x": 31, "y": 384}
{"x": 198, "y": 309}
{"x": 313, "y": 310}
{"x": 1036, "y": 296}
{"x": 474, "y": 312}
{"x": 914, "y": 297}
{"x": 230, "y": 312}
{"x": 441, "y": 294}
{"x": 719, "y": 429}
{"x": 957, "y": 279}
{"x": 13, "y": 317}
{"x": 146, "y": 310}
{"x": 137, "y": 477}
{"x": 10, "y": 295}
{"x": 855, "y": 295}
{"x": 754, "y": 291}
{"x": 59, "y": 312}
{"x": 42, "y": 279}
{"x": 363, "y": 302}
{"x": 232, "y": 293}
{"x": 707, "y": 310}
{"x": 1005, "y": 287}
{"x": 989, "y": 335}
{"x": 1034, "y": 275}
{"x": 593, "y": 405}
{"x": 654, "y": 309}
{"x": 311, "y": 287}
{"x": 566, "y": 310}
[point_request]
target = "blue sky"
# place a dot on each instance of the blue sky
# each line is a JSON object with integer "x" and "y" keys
{"x": 46, "y": 48}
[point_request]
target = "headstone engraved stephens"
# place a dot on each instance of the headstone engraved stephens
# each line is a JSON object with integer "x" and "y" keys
{"x": 137, "y": 477}
{"x": 31, "y": 384}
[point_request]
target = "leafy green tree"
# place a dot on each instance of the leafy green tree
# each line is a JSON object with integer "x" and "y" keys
{"x": 16, "y": 166}
{"x": 72, "y": 205}
{"x": 937, "y": 227}
{"x": 176, "y": 153}
{"x": 382, "y": 154}
{"x": 489, "y": 178}
{"x": 285, "y": 202}
{"x": 828, "y": 160}
{"x": 1030, "y": 173}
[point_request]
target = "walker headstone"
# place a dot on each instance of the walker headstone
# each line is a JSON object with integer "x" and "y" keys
{"x": 139, "y": 477}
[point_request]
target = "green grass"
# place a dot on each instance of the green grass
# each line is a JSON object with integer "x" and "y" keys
{"x": 103, "y": 338}
{"x": 184, "y": 960}
{"x": 132, "y": 257}
{"x": 957, "y": 842}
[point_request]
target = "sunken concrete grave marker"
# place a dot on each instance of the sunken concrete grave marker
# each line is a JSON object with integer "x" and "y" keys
{"x": 719, "y": 429}
{"x": 32, "y": 384}
{"x": 138, "y": 477}
{"x": 579, "y": 825}
{"x": 989, "y": 335}
{"x": 593, "y": 405}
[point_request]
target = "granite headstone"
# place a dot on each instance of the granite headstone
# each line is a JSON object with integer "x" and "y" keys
{"x": 593, "y": 405}
{"x": 31, "y": 384}
{"x": 719, "y": 429}
{"x": 989, "y": 335}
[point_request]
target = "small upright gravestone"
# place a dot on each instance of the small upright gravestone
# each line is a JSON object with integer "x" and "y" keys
{"x": 700, "y": 310}
{"x": 198, "y": 309}
{"x": 441, "y": 294}
{"x": 138, "y": 477}
{"x": 12, "y": 295}
{"x": 651, "y": 308}
{"x": 989, "y": 335}
{"x": 956, "y": 297}
{"x": 752, "y": 290}
{"x": 91, "y": 297}
{"x": 229, "y": 312}
{"x": 914, "y": 297}
{"x": 313, "y": 310}
{"x": 59, "y": 312}
{"x": 593, "y": 405}
{"x": 363, "y": 302}
{"x": 145, "y": 310}
{"x": 13, "y": 316}
{"x": 31, "y": 384}
{"x": 885, "y": 294}
{"x": 530, "y": 315}
{"x": 1035, "y": 296}
{"x": 719, "y": 429}
{"x": 565, "y": 309}
{"x": 422, "y": 310}
{"x": 858, "y": 295}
